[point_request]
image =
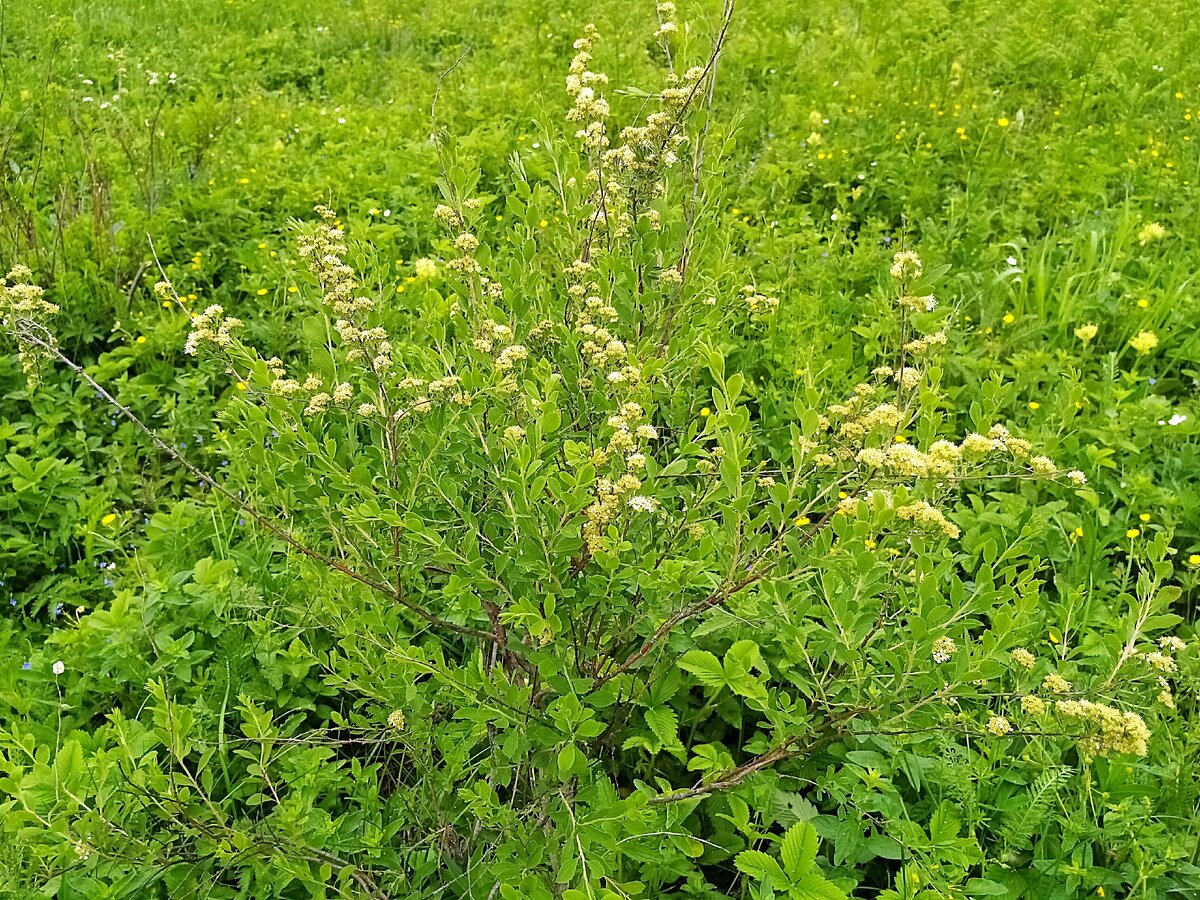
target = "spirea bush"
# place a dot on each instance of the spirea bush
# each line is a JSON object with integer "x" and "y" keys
{"x": 564, "y": 620}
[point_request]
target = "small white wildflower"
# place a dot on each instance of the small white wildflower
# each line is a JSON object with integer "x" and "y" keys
{"x": 943, "y": 649}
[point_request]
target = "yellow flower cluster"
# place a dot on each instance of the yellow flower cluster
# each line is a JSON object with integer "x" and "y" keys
{"x": 25, "y": 309}
{"x": 927, "y": 517}
{"x": 1023, "y": 658}
{"x": 625, "y": 179}
{"x": 594, "y": 318}
{"x": 627, "y": 451}
{"x": 927, "y": 343}
{"x": 1056, "y": 684}
{"x": 1162, "y": 662}
{"x": 319, "y": 400}
{"x": 489, "y": 333}
{"x": 1149, "y": 232}
{"x": 630, "y": 436}
{"x": 905, "y": 459}
{"x": 324, "y": 250}
{"x": 1033, "y": 705}
{"x": 495, "y": 338}
{"x": 999, "y": 726}
{"x": 1115, "y": 732}
{"x": 1144, "y": 342}
{"x": 448, "y": 388}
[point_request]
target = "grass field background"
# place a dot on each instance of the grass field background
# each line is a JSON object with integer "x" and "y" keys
{"x": 1041, "y": 156}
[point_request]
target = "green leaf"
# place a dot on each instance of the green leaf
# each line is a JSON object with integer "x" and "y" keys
{"x": 733, "y": 387}
{"x": 799, "y": 849}
{"x": 568, "y": 758}
{"x": 813, "y": 886}
{"x": 981, "y": 887}
{"x": 760, "y": 866}
{"x": 705, "y": 666}
{"x": 747, "y": 655}
{"x": 749, "y": 687}
{"x": 664, "y": 723}
{"x": 70, "y": 768}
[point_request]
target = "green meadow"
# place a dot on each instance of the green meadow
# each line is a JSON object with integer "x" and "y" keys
{"x": 613, "y": 450}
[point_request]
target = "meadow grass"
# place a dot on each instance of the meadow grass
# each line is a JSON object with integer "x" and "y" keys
{"x": 1041, "y": 157}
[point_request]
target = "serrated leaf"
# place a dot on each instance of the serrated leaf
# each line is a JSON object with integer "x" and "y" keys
{"x": 747, "y": 656}
{"x": 749, "y": 687}
{"x": 664, "y": 723}
{"x": 760, "y": 866}
{"x": 813, "y": 886}
{"x": 799, "y": 849}
{"x": 705, "y": 666}
{"x": 70, "y": 768}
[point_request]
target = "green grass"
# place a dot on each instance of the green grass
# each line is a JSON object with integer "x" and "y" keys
{"x": 1022, "y": 147}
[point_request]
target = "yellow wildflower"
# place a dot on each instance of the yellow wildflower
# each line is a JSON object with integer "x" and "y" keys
{"x": 1144, "y": 342}
{"x": 1151, "y": 231}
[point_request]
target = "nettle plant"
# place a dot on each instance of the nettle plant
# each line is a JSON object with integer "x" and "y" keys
{"x": 586, "y": 639}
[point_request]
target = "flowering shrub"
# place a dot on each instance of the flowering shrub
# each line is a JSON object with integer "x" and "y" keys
{"x": 545, "y": 604}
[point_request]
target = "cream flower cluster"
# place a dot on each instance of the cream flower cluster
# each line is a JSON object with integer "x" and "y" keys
{"x": 594, "y": 321}
{"x": 667, "y": 27}
{"x": 906, "y": 265}
{"x": 424, "y": 395}
{"x": 927, "y": 517}
{"x": 625, "y": 180}
{"x": 627, "y": 452}
{"x": 25, "y": 309}
{"x": 211, "y": 327}
{"x": 648, "y": 151}
{"x": 606, "y": 507}
{"x": 590, "y": 109}
{"x": 324, "y": 250}
{"x": 943, "y": 649}
{"x": 757, "y": 303}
